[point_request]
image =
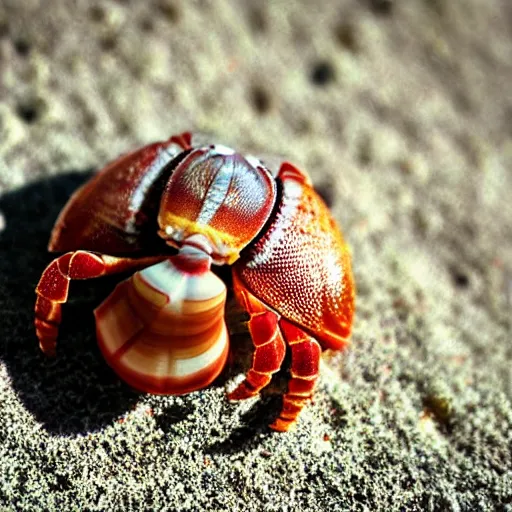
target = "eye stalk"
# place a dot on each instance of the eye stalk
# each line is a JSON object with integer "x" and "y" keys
{"x": 218, "y": 194}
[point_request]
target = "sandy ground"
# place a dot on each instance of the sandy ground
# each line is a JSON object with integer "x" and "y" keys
{"x": 402, "y": 113}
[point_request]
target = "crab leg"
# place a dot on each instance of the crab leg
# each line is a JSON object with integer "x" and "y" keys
{"x": 52, "y": 290}
{"x": 306, "y": 354}
{"x": 268, "y": 341}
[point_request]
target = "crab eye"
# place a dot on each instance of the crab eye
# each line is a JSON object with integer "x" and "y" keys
{"x": 217, "y": 193}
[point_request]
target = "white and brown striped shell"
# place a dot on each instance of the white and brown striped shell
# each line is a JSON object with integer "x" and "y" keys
{"x": 163, "y": 329}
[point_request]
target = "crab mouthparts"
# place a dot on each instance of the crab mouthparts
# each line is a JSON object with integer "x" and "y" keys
{"x": 199, "y": 243}
{"x": 222, "y": 247}
{"x": 194, "y": 255}
{"x": 199, "y": 246}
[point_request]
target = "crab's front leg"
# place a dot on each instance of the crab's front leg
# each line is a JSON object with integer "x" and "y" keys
{"x": 269, "y": 345}
{"x": 269, "y": 332}
{"x": 53, "y": 287}
{"x": 306, "y": 353}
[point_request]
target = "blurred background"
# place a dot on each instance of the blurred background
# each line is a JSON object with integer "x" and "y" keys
{"x": 401, "y": 111}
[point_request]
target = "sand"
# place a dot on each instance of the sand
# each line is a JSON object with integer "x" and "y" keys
{"x": 401, "y": 113}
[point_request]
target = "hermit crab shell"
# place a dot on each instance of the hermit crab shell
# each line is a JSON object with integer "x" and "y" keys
{"x": 163, "y": 330}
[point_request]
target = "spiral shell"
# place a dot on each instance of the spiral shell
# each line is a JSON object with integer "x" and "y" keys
{"x": 163, "y": 330}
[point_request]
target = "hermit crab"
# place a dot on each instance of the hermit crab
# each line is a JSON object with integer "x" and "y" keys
{"x": 170, "y": 210}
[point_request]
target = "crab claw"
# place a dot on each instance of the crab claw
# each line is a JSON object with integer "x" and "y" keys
{"x": 163, "y": 329}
